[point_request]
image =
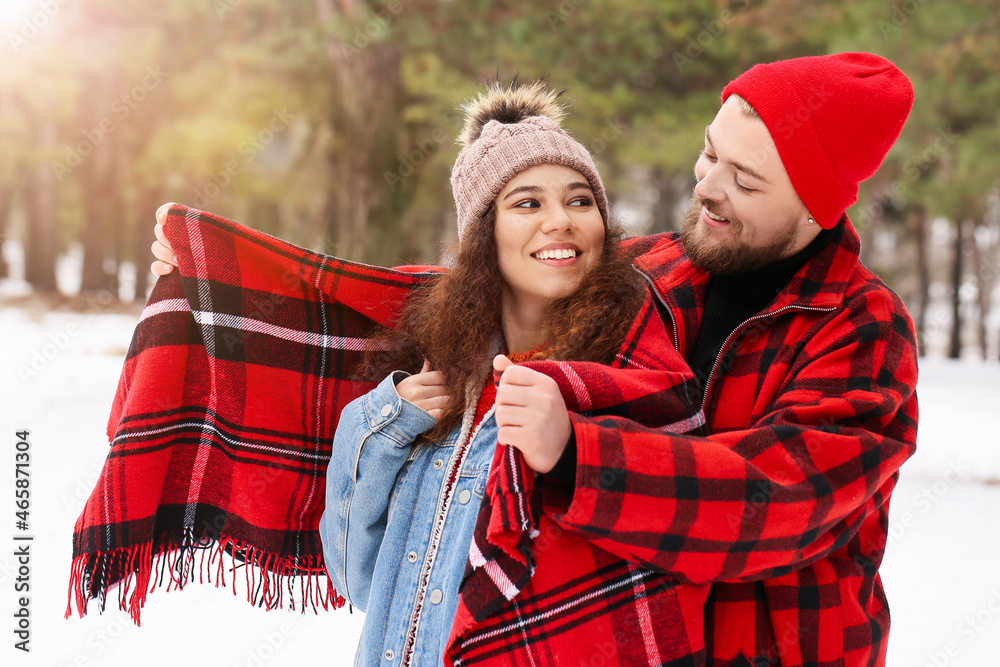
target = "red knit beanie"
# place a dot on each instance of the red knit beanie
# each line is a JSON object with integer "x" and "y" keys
{"x": 832, "y": 118}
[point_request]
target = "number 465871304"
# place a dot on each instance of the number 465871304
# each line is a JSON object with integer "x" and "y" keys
{"x": 22, "y": 463}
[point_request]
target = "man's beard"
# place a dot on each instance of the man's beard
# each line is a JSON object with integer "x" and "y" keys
{"x": 730, "y": 254}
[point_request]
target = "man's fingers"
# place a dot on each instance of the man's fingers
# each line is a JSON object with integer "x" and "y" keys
{"x": 162, "y": 249}
{"x": 508, "y": 419}
{"x": 426, "y": 367}
{"x": 160, "y": 234}
{"x": 521, "y": 376}
{"x": 161, "y": 239}
{"x": 161, "y": 252}
{"x": 160, "y": 268}
{"x": 512, "y": 395}
{"x": 508, "y": 435}
{"x": 165, "y": 257}
{"x": 501, "y": 363}
{"x": 161, "y": 213}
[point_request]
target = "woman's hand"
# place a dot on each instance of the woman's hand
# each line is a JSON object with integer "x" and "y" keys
{"x": 426, "y": 390}
{"x": 166, "y": 259}
{"x": 531, "y": 414}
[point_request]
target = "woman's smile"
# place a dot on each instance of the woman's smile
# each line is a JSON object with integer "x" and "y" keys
{"x": 558, "y": 254}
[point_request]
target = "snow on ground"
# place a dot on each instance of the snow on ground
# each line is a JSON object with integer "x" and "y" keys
{"x": 60, "y": 370}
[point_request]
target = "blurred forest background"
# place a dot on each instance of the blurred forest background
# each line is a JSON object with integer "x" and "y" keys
{"x": 331, "y": 123}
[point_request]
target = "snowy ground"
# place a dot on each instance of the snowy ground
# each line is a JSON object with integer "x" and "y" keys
{"x": 941, "y": 571}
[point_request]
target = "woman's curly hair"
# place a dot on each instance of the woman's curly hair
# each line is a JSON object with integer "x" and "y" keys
{"x": 454, "y": 323}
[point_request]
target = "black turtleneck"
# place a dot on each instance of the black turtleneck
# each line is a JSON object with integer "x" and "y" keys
{"x": 731, "y": 300}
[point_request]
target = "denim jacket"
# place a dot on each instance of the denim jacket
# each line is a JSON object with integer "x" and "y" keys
{"x": 396, "y": 531}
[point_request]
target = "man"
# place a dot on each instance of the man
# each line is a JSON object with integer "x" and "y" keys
{"x": 808, "y": 368}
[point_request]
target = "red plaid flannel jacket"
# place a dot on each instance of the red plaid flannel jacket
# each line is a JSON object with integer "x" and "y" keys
{"x": 783, "y": 503}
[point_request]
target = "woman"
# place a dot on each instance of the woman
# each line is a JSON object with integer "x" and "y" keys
{"x": 414, "y": 531}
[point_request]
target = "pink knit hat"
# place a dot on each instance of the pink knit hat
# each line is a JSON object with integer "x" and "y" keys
{"x": 507, "y": 131}
{"x": 832, "y": 118}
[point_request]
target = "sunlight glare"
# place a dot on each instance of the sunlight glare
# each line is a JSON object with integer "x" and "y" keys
{"x": 13, "y": 13}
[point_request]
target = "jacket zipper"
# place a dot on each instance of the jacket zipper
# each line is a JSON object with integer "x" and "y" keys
{"x": 725, "y": 343}
{"x": 659, "y": 298}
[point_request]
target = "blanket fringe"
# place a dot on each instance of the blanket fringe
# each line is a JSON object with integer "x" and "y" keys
{"x": 269, "y": 578}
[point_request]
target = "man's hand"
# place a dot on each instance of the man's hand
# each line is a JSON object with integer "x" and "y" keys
{"x": 531, "y": 414}
{"x": 426, "y": 390}
{"x": 166, "y": 259}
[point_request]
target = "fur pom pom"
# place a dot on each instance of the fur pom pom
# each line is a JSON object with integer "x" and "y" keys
{"x": 509, "y": 105}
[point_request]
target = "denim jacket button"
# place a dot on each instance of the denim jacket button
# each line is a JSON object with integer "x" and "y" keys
{"x": 412, "y": 556}
{"x": 465, "y": 496}
{"x": 386, "y": 410}
{"x": 389, "y": 655}
{"x": 436, "y": 596}
{"x": 438, "y": 464}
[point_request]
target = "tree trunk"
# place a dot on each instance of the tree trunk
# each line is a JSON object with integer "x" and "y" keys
{"x": 867, "y": 233}
{"x": 264, "y": 215}
{"x": 40, "y": 206}
{"x": 96, "y": 179}
{"x": 365, "y": 149}
{"x": 6, "y": 194}
{"x": 982, "y": 295}
{"x": 370, "y": 186}
{"x": 115, "y": 220}
{"x": 918, "y": 222}
{"x": 143, "y": 221}
{"x": 670, "y": 189}
{"x": 985, "y": 266}
{"x": 955, "y": 349}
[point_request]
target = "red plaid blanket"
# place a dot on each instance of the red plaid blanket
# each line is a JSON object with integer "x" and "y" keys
{"x": 511, "y": 612}
{"x": 229, "y": 397}
{"x": 222, "y": 421}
